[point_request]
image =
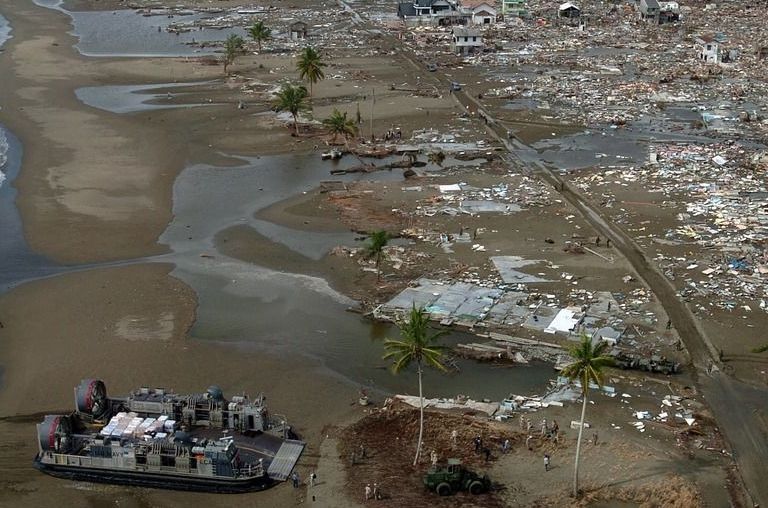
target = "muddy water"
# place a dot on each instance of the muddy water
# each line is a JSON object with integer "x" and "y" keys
{"x": 293, "y": 314}
{"x": 124, "y": 33}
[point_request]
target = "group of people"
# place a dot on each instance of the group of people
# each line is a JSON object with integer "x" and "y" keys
{"x": 296, "y": 480}
{"x": 372, "y": 492}
{"x": 392, "y": 135}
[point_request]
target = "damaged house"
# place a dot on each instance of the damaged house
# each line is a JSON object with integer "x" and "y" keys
{"x": 466, "y": 41}
{"x": 481, "y": 12}
{"x": 649, "y": 11}
{"x": 431, "y": 12}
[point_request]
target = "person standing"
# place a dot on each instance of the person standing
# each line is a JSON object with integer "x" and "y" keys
{"x": 454, "y": 436}
{"x": 295, "y": 479}
{"x": 312, "y": 479}
{"x": 368, "y": 492}
{"x": 433, "y": 457}
{"x": 546, "y": 462}
{"x": 505, "y": 446}
{"x": 528, "y": 442}
{"x": 376, "y": 491}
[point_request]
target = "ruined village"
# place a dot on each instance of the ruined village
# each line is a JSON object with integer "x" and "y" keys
{"x": 526, "y": 187}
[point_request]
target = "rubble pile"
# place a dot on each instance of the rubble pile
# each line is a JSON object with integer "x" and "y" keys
{"x": 722, "y": 195}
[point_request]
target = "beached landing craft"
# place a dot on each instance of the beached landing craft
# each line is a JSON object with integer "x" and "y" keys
{"x": 154, "y": 438}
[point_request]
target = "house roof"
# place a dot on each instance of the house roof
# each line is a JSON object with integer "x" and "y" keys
{"x": 405, "y": 9}
{"x": 653, "y": 4}
{"x": 569, "y": 5}
{"x": 466, "y": 32}
{"x": 472, "y": 4}
{"x": 423, "y": 3}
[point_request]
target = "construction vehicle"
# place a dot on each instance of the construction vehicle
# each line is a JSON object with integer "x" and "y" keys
{"x": 447, "y": 479}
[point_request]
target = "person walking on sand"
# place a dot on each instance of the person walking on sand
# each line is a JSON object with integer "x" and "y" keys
{"x": 368, "y": 492}
{"x": 528, "y": 442}
{"x": 433, "y": 457}
{"x": 454, "y": 436}
{"x": 312, "y": 479}
{"x": 594, "y": 439}
{"x": 546, "y": 462}
{"x": 376, "y": 492}
{"x": 295, "y": 479}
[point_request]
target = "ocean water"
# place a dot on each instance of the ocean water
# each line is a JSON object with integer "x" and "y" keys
{"x": 5, "y": 34}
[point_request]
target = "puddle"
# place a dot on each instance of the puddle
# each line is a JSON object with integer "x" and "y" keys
{"x": 133, "y": 98}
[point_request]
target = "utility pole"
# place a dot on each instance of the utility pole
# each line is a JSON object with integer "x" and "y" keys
{"x": 373, "y": 101}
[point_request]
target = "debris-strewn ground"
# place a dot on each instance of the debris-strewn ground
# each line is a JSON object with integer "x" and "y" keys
{"x": 389, "y": 437}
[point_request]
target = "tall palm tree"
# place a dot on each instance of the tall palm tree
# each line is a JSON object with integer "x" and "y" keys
{"x": 292, "y": 98}
{"x": 338, "y": 123}
{"x": 233, "y": 46}
{"x": 417, "y": 345}
{"x": 588, "y": 364}
{"x": 260, "y": 33}
{"x": 310, "y": 66}
{"x": 375, "y": 249}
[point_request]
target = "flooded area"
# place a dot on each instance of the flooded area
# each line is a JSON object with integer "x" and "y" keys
{"x": 126, "y": 33}
{"x": 135, "y": 98}
{"x": 288, "y": 313}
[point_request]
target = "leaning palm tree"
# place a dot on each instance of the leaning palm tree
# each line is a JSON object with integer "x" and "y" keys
{"x": 587, "y": 367}
{"x": 260, "y": 33}
{"x": 417, "y": 345}
{"x": 233, "y": 46}
{"x": 375, "y": 249}
{"x": 338, "y": 123}
{"x": 310, "y": 66}
{"x": 292, "y": 98}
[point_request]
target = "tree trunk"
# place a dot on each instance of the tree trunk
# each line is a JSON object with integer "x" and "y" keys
{"x": 378, "y": 279}
{"x": 421, "y": 420}
{"x": 585, "y": 388}
{"x": 296, "y": 123}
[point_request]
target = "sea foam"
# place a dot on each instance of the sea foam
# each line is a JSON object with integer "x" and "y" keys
{"x": 3, "y": 154}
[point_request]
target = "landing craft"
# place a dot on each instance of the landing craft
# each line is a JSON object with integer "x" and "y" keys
{"x": 154, "y": 438}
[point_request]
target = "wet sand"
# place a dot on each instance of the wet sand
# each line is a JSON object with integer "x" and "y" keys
{"x": 96, "y": 187}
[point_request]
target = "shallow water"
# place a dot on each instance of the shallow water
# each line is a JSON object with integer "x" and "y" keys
{"x": 133, "y": 98}
{"x": 291, "y": 314}
{"x": 17, "y": 262}
{"x": 124, "y": 33}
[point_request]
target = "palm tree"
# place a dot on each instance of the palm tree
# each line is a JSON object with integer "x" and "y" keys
{"x": 292, "y": 98}
{"x": 338, "y": 123}
{"x": 587, "y": 367}
{"x": 260, "y": 33}
{"x": 375, "y": 249}
{"x": 233, "y": 46}
{"x": 417, "y": 345}
{"x": 310, "y": 67}
{"x": 437, "y": 157}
